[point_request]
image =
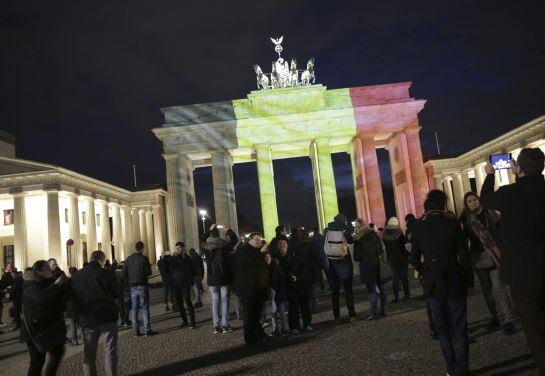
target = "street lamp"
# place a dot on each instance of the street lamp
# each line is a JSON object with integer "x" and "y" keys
{"x": 203, "y": 213}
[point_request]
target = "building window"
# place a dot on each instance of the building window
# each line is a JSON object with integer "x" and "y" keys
{"x": 9, "y": 255}
{"x": 65, "y": 215}
{"x": 83, "y": 218}
{"x": 8, "y": 217}
{"x": 98, "y": 220}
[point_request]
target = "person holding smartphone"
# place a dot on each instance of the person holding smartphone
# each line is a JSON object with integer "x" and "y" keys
{"x": 43, "y": 328}
{"x": 522, "y": 262}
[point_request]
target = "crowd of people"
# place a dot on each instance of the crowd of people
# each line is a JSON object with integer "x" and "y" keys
{"x": 499, "y": 238}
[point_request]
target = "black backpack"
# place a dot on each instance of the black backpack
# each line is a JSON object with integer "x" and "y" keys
{"x": 218, "y": 266}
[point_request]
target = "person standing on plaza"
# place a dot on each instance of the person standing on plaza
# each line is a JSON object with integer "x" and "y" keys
{"x": 95, "y": 290}
{"x": 481, "y": 227}
{"x": 43, "y": 327}
{"x": 182, "y": 272}
{"x": 252, "y": 285}
{"x": 220, "y": 275}
{"x": 198, "y": 268}
{"x": 279, "y": 283}
{"x": 71, "y": 312}
{"x": 398, "y": 257}
{"x": 340, "y": 271}
{"x": 368, "y": 251}
{"x": 296, "y": 264}
{"x": 57, "y": 271}
{"x": 124, "y": 301}
{"x": 440, "y": 255}
{"x": 16, "y": 296}
{"x": 280, "y": 233}
{"x": 166, "y": 277}
{"x": 522, "y": 262}
{"x": 137, "y": 269}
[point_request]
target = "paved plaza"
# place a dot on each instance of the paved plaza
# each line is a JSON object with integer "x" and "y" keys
{"x": 397, "y": 345}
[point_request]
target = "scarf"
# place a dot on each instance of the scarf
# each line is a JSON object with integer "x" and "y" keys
{"x": 488, "y": 243}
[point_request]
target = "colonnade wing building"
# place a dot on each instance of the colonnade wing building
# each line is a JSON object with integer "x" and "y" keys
{"x": 309, "y": 121}
{"x": 465, "y": 173}
{"x": 45, "y": 206}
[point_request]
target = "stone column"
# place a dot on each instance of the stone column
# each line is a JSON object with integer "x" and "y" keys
{"x": 105, "y": 236}
{"x": 128, "y": 239}
{"x": 19, "y": 231}
{"x": 418, "y": 173}
{"x": 458, "y": 193}
{"x": 361, "y": 204}
{"x": 174, "y": 200}
{"x": 135, "y": 226}
{"x": 117, "y": 235}
{"x": 479, "y": 177}
{"x": 267, "y": 193}
{"x": 144, "y": 231}
{"x": 324, "y": 182}
{"x": 190, "y": 234}
{"x": 74, "y": 233}
{"x": 372, "y": 180}
{"x": 438, "y": 182}
{"x": 151, "y": 239}
{"x": 54, "y": 226}
{"x": 91, "y": 228}
{"x": 466, "y": 184}
{"x": 159, "y": 227}
{"x": 450, "y": 196}
{"x": 224, "y": 190}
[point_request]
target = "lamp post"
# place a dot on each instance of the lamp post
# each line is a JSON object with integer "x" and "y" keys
{"x": 203, "y": 218}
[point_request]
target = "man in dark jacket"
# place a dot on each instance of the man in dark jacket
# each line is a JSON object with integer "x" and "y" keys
{"x": 252, "y": 285}
{"x": 181, "y": 269}
{"x": 137, "y": 269}
{"x": 124, "y": 301}
{"x": 162, "y": 265}
{"x": 220, "y": 275}
{"x": 446, "y": 276}
{"x": 95, "y": 290}
{"x": 198, "y": 268}
{"x": 280, "y": 232}
{"x": 522, "y": 263}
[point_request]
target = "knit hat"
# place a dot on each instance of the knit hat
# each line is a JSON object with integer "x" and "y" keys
{"x": 393, "y": 221}
{"x": 340, "y": 218}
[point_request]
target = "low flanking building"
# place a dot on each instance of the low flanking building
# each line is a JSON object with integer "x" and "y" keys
{"x": 465, "y": 173}
{"x": 49, "y": 211}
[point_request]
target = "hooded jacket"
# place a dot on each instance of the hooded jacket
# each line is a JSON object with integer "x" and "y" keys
{"x": 367, "y": 247}
{"x": 252, "y": 278}
{"x": 341, "y": 269}
{"x": 216, "y": 247}
{"x": 394, "y": 242}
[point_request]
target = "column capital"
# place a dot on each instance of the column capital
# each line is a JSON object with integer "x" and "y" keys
{"x": 170, "y": 156}
{"x": 413, "y": 129}
{"x": 51, "y": 188}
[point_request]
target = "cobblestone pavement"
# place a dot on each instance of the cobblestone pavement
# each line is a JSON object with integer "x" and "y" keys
{"x": 396, "y": 345}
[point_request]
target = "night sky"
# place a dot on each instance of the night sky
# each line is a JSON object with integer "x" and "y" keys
{"x": 82, "y": 81}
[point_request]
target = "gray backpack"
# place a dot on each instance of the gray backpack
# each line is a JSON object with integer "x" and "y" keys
{"x": 335, "y": 245}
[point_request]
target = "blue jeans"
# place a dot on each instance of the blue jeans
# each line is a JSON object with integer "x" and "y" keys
{"x": 197, "y": 286}
{"x": 401, "y": 274}
{"x": 140, "y": 296}
{"x": 223, "y": 293}
{"x": 372, "y": 289}
{"x": 450, "y": 319}
{"x": 74, "y": 330}
{"x": 91, "y": 335}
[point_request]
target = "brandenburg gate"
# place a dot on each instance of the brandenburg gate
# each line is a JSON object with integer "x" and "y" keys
{"x": 290, "y": 116}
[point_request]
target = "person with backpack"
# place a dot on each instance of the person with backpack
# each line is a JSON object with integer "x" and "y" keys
{"x": 398, "y": 257}
{"x": 337, "y": 237}
{"x": 220, "y": 276}
{"x": 368, "y": 251}
{"x": 440, "y": 255}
